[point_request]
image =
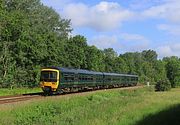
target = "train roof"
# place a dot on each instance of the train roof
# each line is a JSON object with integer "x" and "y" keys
{"x": 83, "y": 71}
{"x": 76, "y": 71}
{"x": 117, "y": 74}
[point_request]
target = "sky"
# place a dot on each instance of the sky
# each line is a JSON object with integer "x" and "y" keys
{"x": 125, "y": 25}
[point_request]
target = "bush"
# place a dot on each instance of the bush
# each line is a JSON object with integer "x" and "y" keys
{"x": 163, "y": 85}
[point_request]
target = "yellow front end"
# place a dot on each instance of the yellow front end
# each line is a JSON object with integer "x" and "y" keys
{"x": 49, "y": 80}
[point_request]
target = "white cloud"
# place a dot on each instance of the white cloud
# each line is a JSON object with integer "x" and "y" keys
{"x": 107, "y": 16}
{"x": 122, "y": 42}
{"x": 171, "y": 29}
{"x": 132, "y": 37}
{"x": 103, "y": 41}
{"x": 170, "y": 10}
{"x": 176, "y": 47}
{"x": 58, "y": 5}
{"x": 75, "y": 12}
{"x": 164, "y": 51}
{"x": 144, "y": 4}
{"x": 101, "y": 17}
{"x": 171, "y": 49}
{"x": 134, "y": 42}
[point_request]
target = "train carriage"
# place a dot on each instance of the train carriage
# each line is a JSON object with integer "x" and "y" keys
{"x": 57, "y": 79}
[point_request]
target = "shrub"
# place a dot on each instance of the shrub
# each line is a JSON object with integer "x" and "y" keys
{"x": 163, "y": 85}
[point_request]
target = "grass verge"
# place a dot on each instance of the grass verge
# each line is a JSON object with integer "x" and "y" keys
{"x": 112, "y": 107}
{"x": 17, "y": 91}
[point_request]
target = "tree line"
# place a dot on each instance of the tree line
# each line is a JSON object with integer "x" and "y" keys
{"x": 33, "y": 36}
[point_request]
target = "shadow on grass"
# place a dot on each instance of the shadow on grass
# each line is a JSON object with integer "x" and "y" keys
{"x": 170, "y": 116}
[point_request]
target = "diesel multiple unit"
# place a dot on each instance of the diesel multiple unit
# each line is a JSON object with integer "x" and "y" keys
{"x": 57, "y": 79}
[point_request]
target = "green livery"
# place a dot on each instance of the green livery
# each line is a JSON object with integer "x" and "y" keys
{"x": 80, "y": 79}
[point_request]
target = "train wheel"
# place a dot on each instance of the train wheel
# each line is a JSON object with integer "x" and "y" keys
{"x": 59, "y": 92}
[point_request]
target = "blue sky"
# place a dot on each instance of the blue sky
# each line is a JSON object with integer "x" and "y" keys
{"x": 125, "y": 25}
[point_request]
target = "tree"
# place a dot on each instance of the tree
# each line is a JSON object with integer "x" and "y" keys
{"x": 94, "y": 59}
{"x": 163, "y": 85}
{"x": 31, "y": 36}
{"x": 75, "y": 49}
{"x": 7, "y": 66}
{"x": 159, "y": 70}
{"x": 129, "y": 59}
{"x": 149, "y": 55}
{"x": 120, "y": 65}
{"x": 109, "y": 59}
{"x": 173, "y": 70}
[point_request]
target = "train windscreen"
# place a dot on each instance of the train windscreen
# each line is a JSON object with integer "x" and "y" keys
{"x": 48, "y": 76}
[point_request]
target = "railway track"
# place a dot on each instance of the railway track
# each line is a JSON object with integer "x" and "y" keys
{"x": 17, "y": 98}
{"x": 25, "y": 97}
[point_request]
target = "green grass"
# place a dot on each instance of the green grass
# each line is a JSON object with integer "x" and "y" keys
{"x": 111, "y": 107}
{"x": 17, "y": 91}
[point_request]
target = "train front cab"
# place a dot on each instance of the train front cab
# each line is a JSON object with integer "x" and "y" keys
{"x": 49, "y": 80}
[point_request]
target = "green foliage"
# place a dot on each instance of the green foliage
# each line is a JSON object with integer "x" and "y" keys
{"x": 173, "y": 70}
{"x": 34, "y": 36}
{"x": 31, "y": 36}
{"x": 109, "y": 59}
{"x": 120, "y": 65}
{"x": 117, "y": 107}
{"x": 95, "y": 59}
{"x": 75, "y": 50}
{"x": 149, "y": 55}
{"x": 163, "y": 85}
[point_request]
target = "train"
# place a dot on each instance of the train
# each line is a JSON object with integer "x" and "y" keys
{"x": 59, "y": 80}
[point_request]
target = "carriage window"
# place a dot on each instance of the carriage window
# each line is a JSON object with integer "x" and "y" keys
{"x": 69, "y": 77}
